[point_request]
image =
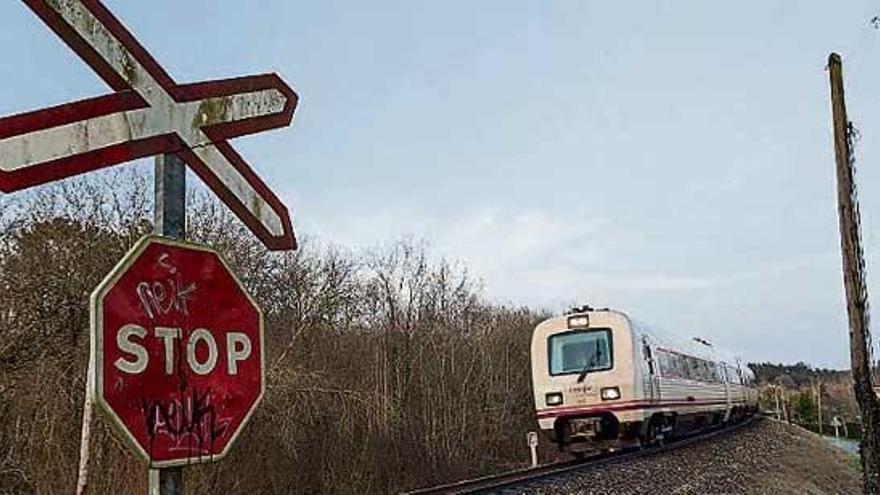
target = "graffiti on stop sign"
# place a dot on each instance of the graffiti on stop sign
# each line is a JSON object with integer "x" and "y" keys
{"x": 179, "y": 352}
{"x": 162, "y": 297}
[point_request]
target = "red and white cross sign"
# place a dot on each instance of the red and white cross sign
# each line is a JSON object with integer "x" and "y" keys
{"x": 149, "y": 114}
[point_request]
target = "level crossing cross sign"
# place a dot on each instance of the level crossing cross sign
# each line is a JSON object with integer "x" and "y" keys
{"x": 148, "y": 114}
{"x": 178, "y": 351}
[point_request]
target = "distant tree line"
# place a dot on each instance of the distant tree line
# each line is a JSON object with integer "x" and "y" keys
{"x": 798, "y": 391}
{"x": 795, "y": 375}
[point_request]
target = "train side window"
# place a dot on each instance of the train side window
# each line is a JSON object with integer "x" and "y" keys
{"x": 684, "y": 366}
{"x": 667, "y": 365}
{"x": 694, "y": 366}
{"x": 707, "y": 371}
{"x": 674, "y": 365}
{"x": 663, "y": 362}
{"x": 691, "y": 368}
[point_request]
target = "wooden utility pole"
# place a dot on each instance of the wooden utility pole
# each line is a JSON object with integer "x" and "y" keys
{"x": 819, "y": 404}
{"x": 855, "y": 284}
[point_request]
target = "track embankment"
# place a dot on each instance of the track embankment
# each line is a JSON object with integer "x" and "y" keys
{"x": 767, "y": 457}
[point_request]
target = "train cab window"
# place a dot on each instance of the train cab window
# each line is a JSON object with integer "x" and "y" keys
{"x": 572, "y": 352}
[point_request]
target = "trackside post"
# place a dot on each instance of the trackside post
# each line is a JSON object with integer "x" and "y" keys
{"x": 533, "y": 447}
{"x": 170, "y": 221}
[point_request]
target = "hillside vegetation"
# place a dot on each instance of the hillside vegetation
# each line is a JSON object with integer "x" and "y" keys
{"x": 799, "y": 391}
{"x": 387, "y": 369}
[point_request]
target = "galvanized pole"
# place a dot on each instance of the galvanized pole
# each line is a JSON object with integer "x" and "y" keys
{"x": 170, "y": 209}
{"x": 855, "y": 284}
{"x": 170, "y": 221}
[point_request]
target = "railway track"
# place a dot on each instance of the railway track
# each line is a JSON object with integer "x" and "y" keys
{"x": 523, "y": 477}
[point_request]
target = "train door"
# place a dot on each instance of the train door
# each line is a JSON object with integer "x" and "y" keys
{"x": 652, "y": 388}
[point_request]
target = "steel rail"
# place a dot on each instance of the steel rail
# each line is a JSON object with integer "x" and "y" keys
{"x": 510, "y": 479}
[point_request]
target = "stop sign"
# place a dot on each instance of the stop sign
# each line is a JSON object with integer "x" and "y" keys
{"x": 177, "y": 345}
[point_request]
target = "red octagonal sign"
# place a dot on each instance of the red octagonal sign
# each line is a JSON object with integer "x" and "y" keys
{"x": 177, "y": 345}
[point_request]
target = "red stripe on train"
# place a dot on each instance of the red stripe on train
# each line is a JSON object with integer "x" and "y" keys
{"x": 631, "y": 405}
{"x": 637, "y": 401}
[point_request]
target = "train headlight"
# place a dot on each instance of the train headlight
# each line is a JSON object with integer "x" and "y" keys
{"x": 554, "y": 399}
{"x": 580, "y": 321}
{"x": 610, "y": 393}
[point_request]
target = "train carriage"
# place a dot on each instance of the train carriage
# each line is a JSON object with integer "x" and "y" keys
{"x": 602, "y": 380}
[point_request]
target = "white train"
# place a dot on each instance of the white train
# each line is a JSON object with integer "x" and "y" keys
{"x": 603, "y": 381}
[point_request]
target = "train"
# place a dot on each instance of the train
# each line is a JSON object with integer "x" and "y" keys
{"x": 604, "y": 381}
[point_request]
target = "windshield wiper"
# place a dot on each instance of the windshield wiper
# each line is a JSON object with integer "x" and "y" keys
{"x": 590, "y": 363}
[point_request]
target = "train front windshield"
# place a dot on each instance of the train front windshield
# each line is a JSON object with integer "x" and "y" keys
{"x": 578, "y": 350}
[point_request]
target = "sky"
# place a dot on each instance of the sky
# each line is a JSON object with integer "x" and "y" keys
{"x": 670, "y": 159}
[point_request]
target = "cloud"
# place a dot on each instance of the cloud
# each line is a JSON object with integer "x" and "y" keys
{"x": 498, "y": 241}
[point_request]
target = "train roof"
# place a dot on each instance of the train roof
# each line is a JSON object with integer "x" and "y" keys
{"x": 675, "y": 342}
{"x": 669, "y": 340}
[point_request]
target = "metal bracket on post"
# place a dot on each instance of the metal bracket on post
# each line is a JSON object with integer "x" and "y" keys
{"x": 170, "y": 221}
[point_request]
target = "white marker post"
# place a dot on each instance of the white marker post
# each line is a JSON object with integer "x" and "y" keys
{"x": 532, "y": 438}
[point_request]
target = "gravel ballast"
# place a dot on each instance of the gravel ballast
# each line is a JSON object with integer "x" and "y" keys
{"x": 767, "y": 457}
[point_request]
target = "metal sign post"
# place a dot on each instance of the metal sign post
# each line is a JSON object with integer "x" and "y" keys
{"x": 170, "y": 221}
